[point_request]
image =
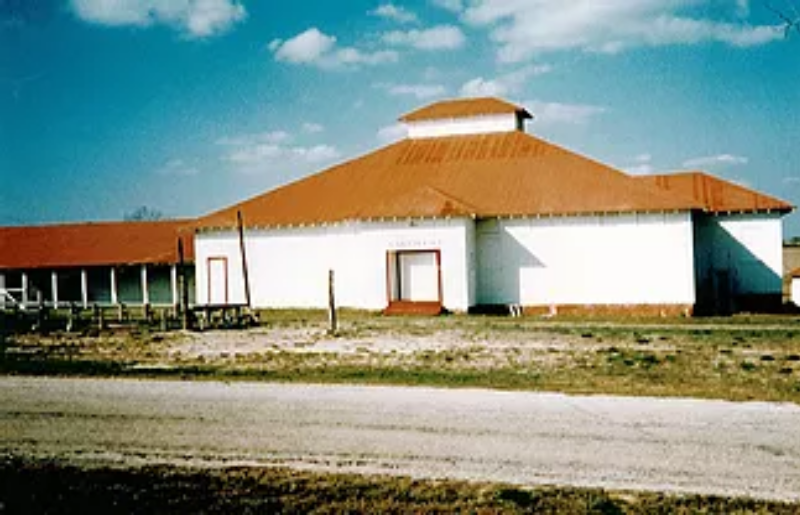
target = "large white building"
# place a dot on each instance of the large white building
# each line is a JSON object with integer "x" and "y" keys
{"x": 469, "y": 211}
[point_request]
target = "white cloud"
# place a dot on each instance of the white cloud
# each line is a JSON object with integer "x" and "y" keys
{"x": 353, "y": 56}
{"x": 480, "y": 87}
{"x": 643, "y": 165}
{"x": 306, "y": 47}
{"x": 720, "y": 160}
{"x": 641, "y": 169}
{"x": 392, "y": 133}
{"x": 177, "y": 167}
{"x": 270, "y": 138}
{"x": 525, "y": 28}
{"x": 504, "y": 85}
{"x": 393, "y": 12}
{"x": 440, "y": 37}
{"x": 791, "y": 180}
{"x": 316, "y": 154}
{"x": 419, "y": 91}
{"x": 253, "y": 153}
{"x": 195, "y": 19}
{"x": 455, "y": 6}
{"x": 313, "y": 47}
{"x": 556, "y": 113}
{"x": 313, "y": 128}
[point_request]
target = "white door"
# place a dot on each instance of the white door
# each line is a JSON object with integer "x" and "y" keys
{"x": 419, "y": 277}
{"x": 217, "y": 281}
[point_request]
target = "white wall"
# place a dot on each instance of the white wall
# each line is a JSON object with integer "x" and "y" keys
{"x": 796, "y": 291}
{"x": 463, "y": 126}
{"x": 289, "y": 267}
{"x": 604, "y": 260}
{"x": 748, "y": 246}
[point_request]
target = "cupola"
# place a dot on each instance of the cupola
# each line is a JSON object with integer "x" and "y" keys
{"x": 464, "y": 117}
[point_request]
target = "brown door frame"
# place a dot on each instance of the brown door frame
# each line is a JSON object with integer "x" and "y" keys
{"x": 393, "y": 257}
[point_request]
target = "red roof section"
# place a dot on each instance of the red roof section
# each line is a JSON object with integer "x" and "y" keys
{"x": 95, "y": 244}
{"x": 464, "y": 108}
{"x": 716, "y": 195}
{"x": 500, "y": 174}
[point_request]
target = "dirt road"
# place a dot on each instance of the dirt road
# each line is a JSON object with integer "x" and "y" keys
{"x": 526, "y": 438}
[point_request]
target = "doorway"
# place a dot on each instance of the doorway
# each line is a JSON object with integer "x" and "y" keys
{"x": 414, "y": 281}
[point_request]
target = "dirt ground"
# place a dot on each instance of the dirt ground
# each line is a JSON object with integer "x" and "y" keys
{"x": 686, "y": 446}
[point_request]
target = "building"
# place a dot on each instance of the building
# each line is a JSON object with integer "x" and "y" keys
{"x": 791, "y": 263}
{"x": 104, "y": 264}
{"x": 469, "y": 211}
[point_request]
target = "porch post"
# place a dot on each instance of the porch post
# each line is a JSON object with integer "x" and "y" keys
{"x": 2, "y": 291}
{"x": 173, "y": 280}
{"x": 84, "y": 288}
{"x": 145, "y": 292}
{"x": 114, "y": 299}
{"x": 24, "y": 289}
{"x": 54, "y": 287}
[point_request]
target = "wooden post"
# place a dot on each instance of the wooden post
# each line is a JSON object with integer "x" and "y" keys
{"x": 41, "y": 315}
{"x": 84, "y": 288}
{"x": 98, "y": 313}
{"x": 24, "y": 290}
{"x": 113, "y": 277}
{"x": 54, "y": 287}
{"x": 332, "y": 322}
{"x": 173, "y": 285}
{"x": 184, "y": 287}
{"x": 244, "y": 258}
{"x": 71, "y": 315}
{"x": 145, "y": 288}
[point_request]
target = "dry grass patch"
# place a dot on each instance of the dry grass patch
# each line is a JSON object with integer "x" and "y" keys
{"x": 52, "y": 487}
{"x": 737, "y": 359}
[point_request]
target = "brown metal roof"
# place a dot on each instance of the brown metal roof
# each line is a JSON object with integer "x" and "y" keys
{"x": 464, "y": 108}
{"x": 502, "y": 174}
{"x": 94, "y": 244}
{"x": 716, "y": 195}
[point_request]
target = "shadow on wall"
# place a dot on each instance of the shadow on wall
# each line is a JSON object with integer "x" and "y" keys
{"x": 501, "y": 262}
{"x": 729, "y": 278}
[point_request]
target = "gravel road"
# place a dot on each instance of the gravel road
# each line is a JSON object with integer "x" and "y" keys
{"x": 676, "y": 445}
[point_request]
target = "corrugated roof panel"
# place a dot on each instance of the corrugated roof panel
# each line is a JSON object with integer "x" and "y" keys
{"x": 716, "y": 195}
{"x": 94, "y": 244}
{"x": 493, "y": 174}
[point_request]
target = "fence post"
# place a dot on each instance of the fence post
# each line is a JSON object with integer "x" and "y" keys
{"x": 332, "y": 322}
{"x": 98, "y": 313}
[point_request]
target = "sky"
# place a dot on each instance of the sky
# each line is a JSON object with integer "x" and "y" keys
{"x": 188, "y": 106}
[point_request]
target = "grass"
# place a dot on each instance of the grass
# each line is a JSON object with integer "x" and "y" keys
{"x": 30, "y": 486}
{"x": 742, "y": 358}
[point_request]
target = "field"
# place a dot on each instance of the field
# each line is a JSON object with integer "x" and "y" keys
{"x": 50, "y": 487}
{"x": 741, "y": 358}
{"x": 737, "y": 359}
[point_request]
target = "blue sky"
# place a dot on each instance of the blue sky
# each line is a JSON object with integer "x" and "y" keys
{"x": 187, "y": 106}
